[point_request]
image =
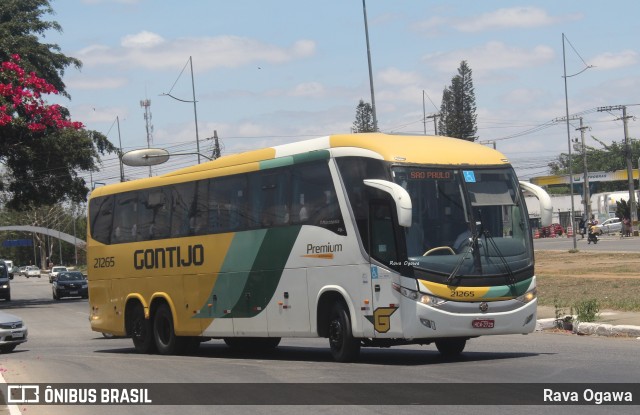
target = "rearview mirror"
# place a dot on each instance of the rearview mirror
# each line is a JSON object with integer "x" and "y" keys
{"x": 400, "y": 197}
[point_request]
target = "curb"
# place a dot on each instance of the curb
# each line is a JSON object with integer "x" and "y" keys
{"x": 607, "y": 329}
{"x": 599, "y": 329}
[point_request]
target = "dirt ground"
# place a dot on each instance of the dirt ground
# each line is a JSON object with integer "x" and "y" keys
{"x": 586, "y": 265}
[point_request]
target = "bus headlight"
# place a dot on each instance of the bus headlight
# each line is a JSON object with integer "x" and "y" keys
{"x": 425, "y": 299}
{"x": 528, "y": 296}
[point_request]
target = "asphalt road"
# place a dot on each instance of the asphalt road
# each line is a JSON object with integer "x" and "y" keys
{"x": 608, "y": 243}
{"x": 63, "y": 349}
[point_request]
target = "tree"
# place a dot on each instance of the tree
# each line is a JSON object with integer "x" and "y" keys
{"x": 21, "y": 30}
{"x": 40, "y": 147}
{"x": 364, "y": 119}
{"x": 458, "y": 107}
{"x": 623, "y": 210}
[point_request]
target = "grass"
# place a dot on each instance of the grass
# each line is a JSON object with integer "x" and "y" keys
{"x": 613, "y": 279}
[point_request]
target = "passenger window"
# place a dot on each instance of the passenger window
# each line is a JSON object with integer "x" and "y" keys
{"x": 182, "y": 216}
{"x": 101, "y": 214}
{"x": 125, "y": 218}
{"x": 155, "y": 215}
{"x": 270, "y": 198}
{"x": 228, "y": 204}
{"x": 200, "y": 208}
{"x": 314, "y": 200}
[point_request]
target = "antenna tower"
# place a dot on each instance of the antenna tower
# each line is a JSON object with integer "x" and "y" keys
{"x": 146, "y": 104}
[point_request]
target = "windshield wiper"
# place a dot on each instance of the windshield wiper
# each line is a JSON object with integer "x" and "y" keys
{"x": 511, "y": 278}
{"x": 472, "y": 243}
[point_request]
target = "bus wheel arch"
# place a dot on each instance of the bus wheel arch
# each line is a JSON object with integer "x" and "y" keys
{"x": 335, "y": 323}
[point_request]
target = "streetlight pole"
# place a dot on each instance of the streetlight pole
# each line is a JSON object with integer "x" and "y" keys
{"x": 373, "y": 100}
{"x": 195, "y": 112}
{"x": 566, "y": 104}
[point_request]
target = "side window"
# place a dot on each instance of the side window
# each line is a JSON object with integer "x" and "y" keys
{"x": 155, "y": 214}
{"x": 228, "y": 204}
{"x": 383, "y": 240}
{"x": 125, "y": 218}
{"x": 353, "y": 171}
{"x": 182, "y": 215}
{"x": 270, "y": 201}
{"x": 314, "y": 200}
{"x": 200, "y": 208}
{"x": 101, "y": 216}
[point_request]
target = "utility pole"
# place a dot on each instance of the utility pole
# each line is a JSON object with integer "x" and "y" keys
{"x": 627, "y": 148}
{"x": 586, "y": 194}
{"x": 435, "y": 125}
{"x": 424, "y": 115}
{"x": 216, "y": 145}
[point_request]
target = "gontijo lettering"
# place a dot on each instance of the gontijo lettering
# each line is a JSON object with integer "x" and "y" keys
{"x": 169, "y": 257}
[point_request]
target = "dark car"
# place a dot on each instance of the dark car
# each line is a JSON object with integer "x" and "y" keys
{"x": 70, "y": 284}
{"x": 5, "y": 284}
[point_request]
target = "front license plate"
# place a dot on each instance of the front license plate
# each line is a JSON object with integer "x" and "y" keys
{"x": 73, "y": 293}
{"x": 17, "y": 334}
{"x": 482, "y": 324}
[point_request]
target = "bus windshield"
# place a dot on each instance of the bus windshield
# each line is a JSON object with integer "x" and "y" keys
{"x": 466, "y": 221}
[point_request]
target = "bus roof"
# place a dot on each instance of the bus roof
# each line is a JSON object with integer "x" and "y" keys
{"x": 414, "y": 149}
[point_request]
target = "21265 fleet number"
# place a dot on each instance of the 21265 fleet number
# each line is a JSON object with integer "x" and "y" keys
{"x": 104, "y": 262}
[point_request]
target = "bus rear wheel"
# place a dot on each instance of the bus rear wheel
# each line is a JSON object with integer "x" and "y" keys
{"x": 344, "y": 347}
{"x": 140, "y": 330}
{"x": 451, "y": 347}
{"x": 163, "y": 332}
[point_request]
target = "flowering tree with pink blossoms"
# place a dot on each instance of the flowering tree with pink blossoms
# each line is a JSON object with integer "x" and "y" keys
{"x": 41, "y": 149}
{"x": 22, "y": 103}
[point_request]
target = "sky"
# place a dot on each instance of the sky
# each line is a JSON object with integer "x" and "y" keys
{"x": 273, "y": 72}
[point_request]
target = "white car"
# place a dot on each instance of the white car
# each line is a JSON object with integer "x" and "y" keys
{"x": 32, "y": 271}
{"x": 12, "y": 332}
{"x": 55, "y": 271}
{"x": 608, "y": 226}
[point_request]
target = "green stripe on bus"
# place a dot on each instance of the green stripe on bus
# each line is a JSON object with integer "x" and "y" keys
{"x": 311, "y": 156}
{"x": 267, "y": 271}
{"x": 509, "y": 291}
{"x": 295, "y": 159}
{"x": 234, "y": 273}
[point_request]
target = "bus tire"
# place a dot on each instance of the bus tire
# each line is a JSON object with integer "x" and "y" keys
{"x": 451, "y": 347}
{"x": 163, "y": 331}
{"x": 141, "y": 331}
{"x": 344, "y": 347}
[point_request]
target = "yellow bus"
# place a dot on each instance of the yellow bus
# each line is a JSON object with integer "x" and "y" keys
{"x": 369, "y": 240}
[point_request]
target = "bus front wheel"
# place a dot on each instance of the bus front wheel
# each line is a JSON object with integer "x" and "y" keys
{"x": 451, "y": 347}
{"x": 344, "y": 347}
{"x": 140, "y": 330}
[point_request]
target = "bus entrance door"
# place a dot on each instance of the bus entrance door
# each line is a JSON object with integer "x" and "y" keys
{"x": 383, "y": 249}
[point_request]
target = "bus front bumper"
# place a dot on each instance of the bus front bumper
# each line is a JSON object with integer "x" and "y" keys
{"x": 461, "y": 319}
